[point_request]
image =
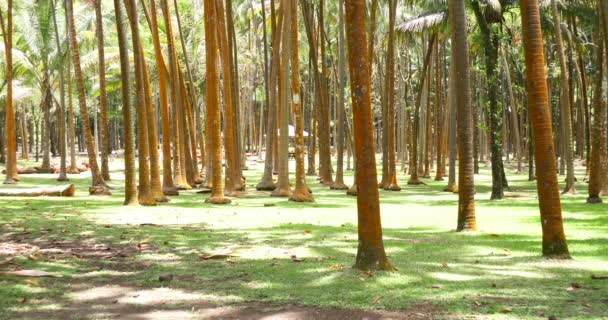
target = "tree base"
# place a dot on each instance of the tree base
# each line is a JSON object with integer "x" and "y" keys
{"x": 9, "y": 181}
{"x": 426, "y": 176}
{"x": 451, "y": 188}
{"x": 371, "y": 258}
{"x": 101, "y": 190}
{"x": 301, "y": 196}
{"x": 281, "y": 193}
{"x": 594, "y": 199}
{"x": 73, "y": 171}
{"x": 440, "y": 178}
{"x": 63, "y": 177}
{"x": 570, "y": 191}
{"x": 338, "y": 186}
{"x": 183, "y": 186}
{"x": 170, "y": 191}
{"x": 352, "y": 191}
{"x": 414, "y": 181}
{"x": 218, "y": 200}
{"x": 392, "y": 187}
{"x": 265, "y": 185}
{"x": 161, "y": 198}
{"x": 556, "y": 249}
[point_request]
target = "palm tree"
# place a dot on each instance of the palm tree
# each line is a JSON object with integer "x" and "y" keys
{"x": 11, "y": 134}
{"x": 229, "y": 142}
{"x": 127, "y": 110}
{"x": 339, "y": 182}
{"x": 61, "y": 106}
{"x": 596, "y": 167}
{"x": 103, "y": 99}
{"x": 462, "y": 86}
{"x": 370, "y": 254}
{"x": 168, "y": 185}
{"x": 212, "y": 103}
{"x": 554, "y": 239}
{"x": 565, "y": 102}
{"x": 391, "y": 181}
{"x": 98, "y": 185}
{"x": 301, "y": 192}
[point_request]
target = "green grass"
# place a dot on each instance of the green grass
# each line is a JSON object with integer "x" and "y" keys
{"x": 478, "y": 273}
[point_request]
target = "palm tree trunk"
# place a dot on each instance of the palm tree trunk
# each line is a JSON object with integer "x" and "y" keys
{"x": 145, "y": 196}
{"x": 11, "y": 134}
{"x": 596, "y": 167}
{"x": 391, "y": 181}
{"x": 103, "y": 100}
{"x": 554, "y": 239}
{"x": 61, "y": 106}
{"x": 339, "y": 182}
{"x": 127, "y": 110}
{"x": 98, "y": 185}
{"x": 370, "y": 253}
{"x": 452, "y": 186}
{"x": 414, "y": 150}
{"x": 212, "y": 103}
{"x": 283, "y": 189}
{"x": 565, "y": 103}
{"x": 462, "y": 86}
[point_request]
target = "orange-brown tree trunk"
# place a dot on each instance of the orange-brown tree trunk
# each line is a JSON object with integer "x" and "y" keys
{"x": 212, "y": 102}
{"x": 554, "y": 239}
{"x": 370, "y": 254}
{"x": 11, "y": 134}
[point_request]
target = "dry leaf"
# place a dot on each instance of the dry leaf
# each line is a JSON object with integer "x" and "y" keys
{"x": 477, "y": 303}
{"x": 307, "y": 231}
{"x": 22, "y": 300}
{"x": 493, "y": 235}
{"x": 600, "y": 277}
{"x": 296, "y": 259}
{"x": 436, "y": 286}
{"x": 367, "y": 273}
{"x": 377, "y": 299}
{"x": 506, "y": 310}
{"x": 445, "y": 264}
{"x": 214, "y": 256}
{"x": 31, "y": 282}
{"x": 337, "y": 266}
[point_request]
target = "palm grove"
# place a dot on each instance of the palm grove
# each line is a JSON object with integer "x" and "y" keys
{"x": 187, "y": 90}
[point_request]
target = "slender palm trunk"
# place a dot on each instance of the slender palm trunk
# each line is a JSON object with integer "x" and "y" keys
{"x": 339, "y": 182}
{"x": 98, "y": 185}
{"x": 212, "y": 103}
{"x": 565, "y": 103}
{"x": 11, "y": 134}
{"x": 127, "y": 109}
{"x": 462, "y": 86}
{"x": 554, "y": 239}
{"x": 370, "y": 253}
{"x": 61, "y": 106}
{"x": 283, "y": 189}
{"x": 597, "y": 169}
{"x": 103, "y": 100}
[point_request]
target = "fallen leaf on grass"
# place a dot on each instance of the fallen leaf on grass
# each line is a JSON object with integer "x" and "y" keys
{"x": 296, "y": 259}
{"x": 477, "y": 303}
{"x": 308, "y": 231}
{"x": 31, "y": 273}
{"x": 217, "y": 256}
{"x": 31, "y": 282}
{"x": 368, "y": 274}
{"x": 600, "y": 277}
{"x": 22, "y": 300}
{"x": 506, "y": 310}
{"x": 337, "y": 266}
{"x": 493, "y": 235}
{"x": 445, "y": 265}
{"x": 436, "y": 286}
{"x": 377, "y": 299}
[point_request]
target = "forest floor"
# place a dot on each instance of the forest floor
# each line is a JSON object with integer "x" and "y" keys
{"x": 269, "y": 258}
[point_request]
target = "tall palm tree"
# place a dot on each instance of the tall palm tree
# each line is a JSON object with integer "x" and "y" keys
{"x": 168, "y": 185}
{"x": 11, "y": 134}
{"x": 596, "y": 167}
{"x": 554, "y": 239}
{"x": 61, "y": 105}
{"x": 565, "y": 102}
{"x": 301, "y": 192}
{"x": 283, "y": 189}
{"x": 212, "y": 103}
{"x": 462, "y": 86}
{"x": 370, "y": 254}
{"x": 98, "y": 185}
{"x": 103, "y": 99}
{"x": 391, "y": 181}
{"x": 127, "y": 109}
{"x": 339, "y": 182}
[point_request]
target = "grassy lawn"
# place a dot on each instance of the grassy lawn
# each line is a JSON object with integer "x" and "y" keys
{"x": 287, "y": 253}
